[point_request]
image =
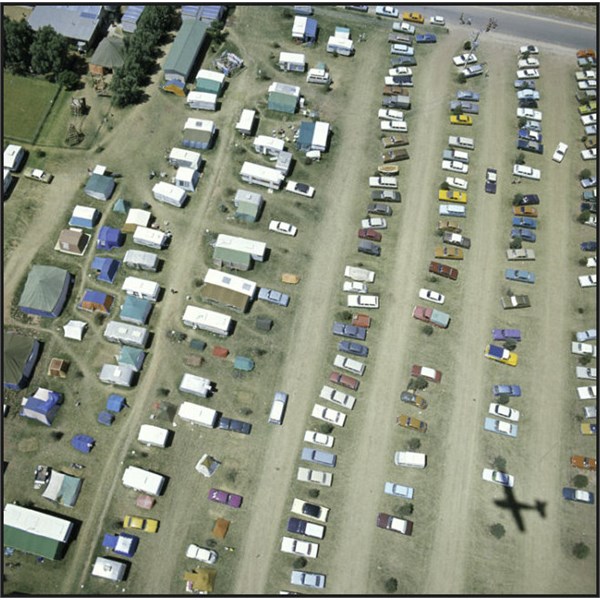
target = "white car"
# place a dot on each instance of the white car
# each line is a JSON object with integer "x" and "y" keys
{"x": 585, "y": 372}
{"x": 322, "y": 439}
{"x": 501, "y": 410}
{"x": 587, "y": 280}
{"x": 498, "y": 477}
{"x": 524, "y": 63}
{"x": 528, "y": 74}
{"x": 588, "y": 154}
{"x": 401, "y": 126}
{"x": 432, "y": 296}
{"x": 337, "y": 397}
{"x": 395, "y": 489}
{"x": 310, "y": 510}
{"x": 300, "y": 188}
{"x": 587, "y": 85}
{"x": 402, "y": 49}
{"x": 362, "y": 301}
{"x": 404, "y": 27}
{"x": 400, "y": 71}
{"x": 357, "y": 287}
{"x": 457, "y": 182}
{"x": 587, "y": 392}
{"x": 437, "y": 20}
{"x": 528, "y": 94}
{"x": 585, "y": 336}
{"x": 583, "y": 349}
{"x": 299, "y": 547}
{"x": 527, "y": 172}
{"x": 560, "y": 152}
{"x": 373, "y": 223}
{"x": 464, "y": 59}
{"x": 387, "y": 11}
{"x": 329, "y": 415}
{"x": 455, "y": 165}
{"x": 589, "y": 119}
{"x": 202, "y": 554}
{"x": 529, "y": 50}
{"x": 529, "y": 113}
{"x": 314, "y": 476}
{"x": 281, "y": 227}
{"x": 390, "y": 114}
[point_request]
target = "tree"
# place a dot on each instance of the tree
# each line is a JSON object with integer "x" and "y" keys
{"x": 49, "y": 53}
{"x": 517, "y": 198}
{"x": 16, "y": 45}
{"x": 391, "y": 585}
{"x": 427, "y": 329}
{"x": 520, "y": 160}
{"x": 403, "y": 510}
{"x": 497, "y": 530}
{"x": 499, "y": 463}
{"x": 583, "y": 216}
{"x": 585, "y": 174}
{"x": 125, "y": 89}
{"x": 580, "y": 550}
{"x": 414, "y": 444}
{"x": 580, "y": 481}
{"x": 68, "y": 80}
{"x": 516, "y": 243}
{"x": 299, "y": 562}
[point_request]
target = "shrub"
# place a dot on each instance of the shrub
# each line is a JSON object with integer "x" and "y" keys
{"x": 210, "y": 542}
{"x": 345, "y": 315}
{"x": 418, "y": 383}
{"x": 325, "y": 428}
{"x": 520, "y": 160}
{"x": 502, "y": 399}
{"x": 585, "y": 360}
{"x": 427, "y": 329}
{"x": 163, "y": 391}
{"x": 275, "y": 45}
{"x": 516, "y": 243}
{"x": 99, "y": 149}
{"x": 57, "y": 435}
{"x": 299, "y": 562}
{"x": 583, "y": 216}
{"x": 467, "y": 45}
{"x": 231, "y": 475}
{"x": 444, "y": 186}
{"x": 517, "y": 198}
{"x": 40, "y": 153}
{"x": 580, "y": 481}
{"x": 314, "y": 493}
{"x": 246, "y": 411}
{"x": 460, "y": 78}
{"x": 432, "y": 278}
{"x": 499, "y": 463}
{"x": 287, "y": 13}
{"x": 510, "y": 345}
{"x": 582, "y": 261}
{"x": 497, "y": 530}
{"x": 403, "y": 510}
{"x": 391, "y": 585}
{"x": 585, "y": 174}
{"x": 521, "y": 122}
{"x": 414, "y": 444}
{"x": 580, "y": 550}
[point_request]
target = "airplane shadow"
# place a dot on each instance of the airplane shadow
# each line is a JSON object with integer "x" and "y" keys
{"x": 515, "y": 507}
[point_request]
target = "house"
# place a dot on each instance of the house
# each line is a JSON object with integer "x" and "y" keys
{"x": 130, "y": 17}
{"x": 20, "y": 354}
{"x": 78, "y": 22}
{"x": 141, "y": 288}
{"x": 74, "y": 330}
{"x": 340, "y": 45}
{"x": 283, "y": 97}
{"x": 264, "y": 144}
{"x": 109, "y": 238}
{"x": 95, "y": 301}
{"x": 313, "y": 136}
{"x": 186, "y": 178}
{"x": 291, "y": 61}
{"x": 304, "y": 30}
{"x": 45, "y": 292}
{"x": 228, "y": 290}
{"x": 138, "y": 259}
{"x": 123, "y": 333}
{"x": 248, "y": 206}
{"x": 259, "y": 175}
{"x": 13, "y": 157}
{"x": 136, "y": 217}
{"x": 42, "y": 406}
{"x": 84, "y": 216}
{"x": 246, "y": 122}
{"x": 198, "y": 134}
{"x": 63, "y": 489}
{"x": 203, "y": 12}
{"x": 135, "y": 310}
{"x": 207, "y": 320}
{"x": 143, "y": 481}
{"x": 117, "y": 375}
{"x": 108, "y": 56}
{"x": 169, "y": 194}
{"x": 99, "y": 186}
{"x": 106, "y": 268}
{"x": 35, "y": 532}
{"x": 179, "y": 157}
{"x": 131, "y": 357}
{"x": 72, "y": 241}
{"x": 284, "y": 162}
{"x": 153, "y": 238}
{"x": 202, "y": 100}
{"x": 108, "y": 568}
{"x": 185, "y": 50}
{"x": 210, "y": 82}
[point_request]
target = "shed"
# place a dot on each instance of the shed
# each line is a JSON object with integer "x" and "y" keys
{"x": 131, "y": 357}
{"x": 109, "y": 55}
{"x": 144, "y": 501}
{"x": 63, "y": 489}
{"x": 115, "y": 403}
{"x": 93, "y": 301}
{"x": 199, "y": 134}
{"x": 263, "y": 323}
{"x": 246, "y": 122}
{"x": 248, "y": 206}
{"x": 207, "y": 465}
{"x": 13, "y": 157}
{"x": 185, "y": 49}
{"x": 99, "y": 187}
{"x": 135, "y": 310}
{"x": 121, "y": 206}
{"x": 109, "y": 238}
{"x": 20, "y": 354}
{"x": 153, "y": 436}
{"x": 45, "y": 291}
{"x": 192, "y": 384}
{"x": 42, "y": 406}
{"x": 143, "y": 481}
{"x": 72, "y": 241}
{"x": 221, "y": 528}
{"x": 283, "y": 97}
{"x": 83, "y": 443}
{"x": 58, "y": 367}
{"x": 243, "y": 363}
{"x": 107, "y": 568}
{"x": 292, "y": 61}
{"x": 136, "y": 217}
{"x": 138, "y": 259}
{"x": 169, "y": 194}
{"x": 74, "y": 330}
{"x": 84, "y": 216}
{"x": 211, "y": 82}
{"x": 106, "y": 268}
{"x": 124, "y": 544}
{"x": 220, "y": 352}
{"x": 186, "y": 178}
{"x": 179, "y": 157}
{"x": 117, "y": 375}
{"x": 105, "y": 418}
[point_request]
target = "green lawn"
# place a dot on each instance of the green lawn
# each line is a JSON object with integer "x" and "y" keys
{"x": 26, "y": 104}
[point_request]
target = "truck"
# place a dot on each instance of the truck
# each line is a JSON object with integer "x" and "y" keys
{"x": 320, "y": 457}
{"x": 515, "y": 301}
{"x": 459, "y": 155}
{"x": 443, "y": 270}
{"x": 401, "y": 80}
{"x": 362, "y": 301}
{"x": 337, "y": 397}
{"x": 431, "y": 315}
{"x": 456, "y": 239}
{"x": 501, "y": 355}
{"x": 520, "y": 254}
{"x": 396, "y": 101}
{"x": 530, "y": 146}
{"x": 312, "y": 476}
{"x": 296, "y": 525}
{"x": 417, "y": 460}
{"x": 457, "y": 141}
{"x": 359, "y": 274}
{"x": 349, "y": 364}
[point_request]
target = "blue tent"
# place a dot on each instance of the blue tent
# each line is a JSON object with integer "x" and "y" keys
{"x": 243, "y": 363}
{"x": 135, "y": 310}
{"x": 106, "y": 418}
{"x": 306, "y": 132}
{"x": 107, "y": 268}
{"x": 115, "y": 403}
{"x": 42, "y": 406}
{"x": 121, "y": 206}
{"x": 93, "y": 300}
{"x": 310, "y": 31}
{"x": 123, "y": 543}
{"x": 83, "y": 443}
{"x": 99, "y": 187}
{"x": 109, "y": 238}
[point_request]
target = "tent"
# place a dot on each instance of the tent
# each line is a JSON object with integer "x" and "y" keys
{"x": 136, "y": 217}
{"x": 20, "y": 354}
{"x": 131, "y": 357}
{"x": 84, "y": 216}
{"x": 174, "y": 86}
{"x": 135, "y": 310}
{"x": 109, "y": 569}
{"x": 109, "y": 55}
{"x": 58, "y": 367}
{"x": 243, "y": 363}
{"x": 115, "y": 403}
{"x": 74, "y": 330}
{"x": 263, "y": 323}
{"x": 109, "y": 238}
{"x": 72, "y": 241}
{"x": 63, "y": 489}
{"x": 220, "y": 352}
{"x": 207, "y": 465}
{"x": 106, "y": 268}
{"x": 106, "y": 418}
{"x": 94, "y": 300}
{"x": 83, "y": 443}
{"x": 42, "y": 406}
{"x": 45, "y": 291}
{"x": 200, "y": 580}
{"x": 144, "y": 501}
{"x": 121, "y": 206}
{"x": 99, "y": 187}
{"x": 122, "y": 543}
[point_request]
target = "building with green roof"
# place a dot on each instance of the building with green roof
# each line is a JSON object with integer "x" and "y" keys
{"x": 45, "y": 292}
{"x": 184, "y": 52}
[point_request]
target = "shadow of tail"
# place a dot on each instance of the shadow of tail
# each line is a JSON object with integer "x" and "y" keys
{"x": 541, "y": 508}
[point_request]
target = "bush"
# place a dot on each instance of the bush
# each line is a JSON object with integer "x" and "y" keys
{"x": 325, "y": 428}
{"x": 582, "y": 261}
{"x": 432, "y": 278}
{"x": 299, "y": 562}
{"x": 499, "y": 463}
{"x": 345, "y": 315}
{"x": 585, "y": 360}
{"x": 460, "y": 78}
{"x": 287, "y": 13}
{"x": 585, "y": 174}
{"x": 510, "y": 345}
{"x": 163, "y": 391}
{"x": 427, "y": 329}
{"x": 583, "y": 216}
{"x": 414, "y": 444}
{"x": 314, "y": 493}
{"x": 502, "y": 399}
{"x": 391, "y": 585}
{"x": 517, "y": 198}
{"x": 40, "y": 153}
{"x": 68, "y": 80}
{"x": 444, "y": 186}
{"x": 418, "y": 383}
{"x": 520, "y": 160}
{"x": 275, "y": 45}
{"x": 516, "y": 243}
{"x": 403, "y": 510}
{"x": 245, "y": 411}
{"x": 231, "y": 475}
{"x": 467, "y": 45}
{"x": 210, "y": 542}
{"x": 497, "y": 530}
{"x": 580, "y": 481}
{"x": 580, "y": 550}
{"x": 57, "y": 435}
{"x": 522, "y": 121}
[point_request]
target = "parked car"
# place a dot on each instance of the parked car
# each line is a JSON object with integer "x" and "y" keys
{"x": 379, "y": 209}
{"x": 281, "y": 227}
{"x": 578, "y": 495}
{"x": 307, "y": 579}
{"x": 307, "y": 509}
{"x": 588, "y": 182}
{"x": 273, "y": 296}
{"x": 501, "y": 410}
{"x": 499, "y": 335}
{"x": 584, "y": 462}
{"x": 501, "y": 355}
{"x": 431, "y": 295}
{"x": 223, "y": 497}
{"x": 452, "y": 196}
{"x": 321, "y": 439}
{"x": 403, "y": 526}
{"x": 491, "y": 180}
{"x": 524, "y": 63}
{"x": 443, "y": 270}
{"x": 590, "y": 246}
{"x": 472, "y": 71}
{"x": 530, "y": 134}
{"x": 437, "y": 20}
{"x": 300, "y": 188}
{"x": 529, "y": 113}
{"x": 387, "y": 11}
{"x": 525, "y": 84}
{"x": 462, "y": 60}
{"x": 585, "y": 336}
{"x": 560, "y": 152}
{"x": 498, "y": 477}
{"x": 368, "y": 247}
{"x": 426, "y": 372}
{"x": 525, "y": 234}
{"x": 455, "y": 165}
{"x": 319, "y": 457}
{"x": 588, "y": 154}
{"x": 38, "y": 175}
{"x": 528, "y": 94}
{"x": 235, "y": 425}
{"x": 404, "y": 27}
{"x": 425, "y": 38}
{"x": 140, "y": 523}
{"x": 395, "y": 489}
{"x": 529, "y": 200}
{"x": 402, "y": 49}
{"x": 386, "y": 195}
{"x": 587, "y": 280}
{"x": 528, "y": 73}
{"x": 457, "y": 182}
{"x": 202, "y": 554}
{"x": 412, "y": 398}
{"x": 529, "y": 50}
{"x": 344, "y": 380}
{"x": 526, "y": 171}
{"x": 515, "y": 301}
{"x": 526, "y": 222}
{"x": 411, "y": 423}
{"x": 461, "y": 120}
{"x": 519, "y": 275}
{"x": 525, "y": 211}
{"x": 413, "y": 17}
{"x": 329, "y": 415}
{"x": 506, "y": 390}
{"x": 501, "y": 427}
{"x": 351, "y": 331}
{"x": 353, "y": 348}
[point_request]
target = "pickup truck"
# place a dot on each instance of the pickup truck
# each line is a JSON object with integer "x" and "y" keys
{"x": 412, "y": 398}
{"x": 457, "y": 141}
{"x": 455, "y": 239}
{"x": 448, "y": 252}
{"x": 491, "y": 180}
{"x": 530, "y": 146}
{"x": 459, "y": 155}
{"x": 397, "y": 101}
{"x": 500, "y": 335}
{"x": 443, "y": 270}
{"x": 393, "y": 141}
{"x": 431, "y": 315}
{"x": 38, "y": 175}
{"x": 464, "y": 106}
{"x": 307, "y": 509}
{"x": 312, "y": 476}
{"x": 320, "y": 457}
{"x": 448, "y": 225}
{"x": 520, "y": 301}
{"x": 337, "y": 397}
{"x": 362, "y": 301}
{"x": 295, "y": 525}
{"x": 394, "y": 155}
{"x": 411, "y": 423}
{"x": 299, "y": 547}
{"x": 349, "y": 364}
{"x": 359, "y": 274}
{"x": 520, "y": 254}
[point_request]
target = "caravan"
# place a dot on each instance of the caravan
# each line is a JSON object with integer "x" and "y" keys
{"x": 341, "y": 46}
{"x": 141, "y": 288}
{"x": 192, "y": 384}
{"x": 153, "y": 238}
{"x": 198, "y": 414}
{"x": 143, "y": 481}
{"x": 169, "y": 194}
{"x": 123, "y": 333}
{"x": 179, "y": 157}
{"x": 208, "y": 320}
{"x": 138, "y": 259}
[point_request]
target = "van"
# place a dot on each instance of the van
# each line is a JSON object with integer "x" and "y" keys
{"x": 461, "y": 142}
{"x": 417, "y": 460}
{"x": 452, "y": 210}
{"x": 278, "y": 408}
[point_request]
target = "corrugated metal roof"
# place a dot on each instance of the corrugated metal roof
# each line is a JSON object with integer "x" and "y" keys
{"x": 76, "y": 22}
{"x": 185, "y": 48}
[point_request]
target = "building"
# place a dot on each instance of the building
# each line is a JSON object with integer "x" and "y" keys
{"x": 109, "y": 55}
{"x": 45, "y": 292}
{"x": 117, "y": 375}
{"x": 198, "y": 134}
{"x": 304, "y": 30}
{"x": 210, "y": 82}
{"x": 313, "y": 136}
{"x": 207, "y": 320}
{"x": 13, "y": 157}
{"x": 259, "y": 175}
{"x": 179, "y": 157}
{"x": 202, "y": 101}
{"x": 135, "y": 310}
{"x": 264, "y": 144}
{"x": 203, "y": 12}
{"x": 78, "y": 22}
{"x": 291, "y": 61}
{"x": 72, "y": 241}
{"x": 186, "y": 178}
{"x": 96, "y": 301}
{"x": 130, "y": 17}
{"x": 341, "y": 46}
{"x": 283, "y": 97}
{"x": 109, "y": 238}
{"x": 228, "y": 290}
{"x": 248, "y": 206}
{"x": 136, "y": 217}
{"x": 169, "y": 194}
{"x": 284, "y": 162}
{"x": 256, "y": 250}
{"x": 185, "y": 50}
{"x": 106, "y": 268}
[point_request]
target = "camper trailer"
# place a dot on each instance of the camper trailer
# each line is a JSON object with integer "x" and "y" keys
{"x": 169, "y": 194}
{"x": 245, "y": 124}
{"x": 117, "y": 375}
{"x": 123, "y": 333}
{"x": 141, "y": 288}
{"x": 208, "y": 320}
{"x": 202, "y": 100}
{"x": 153, "y": 436}
{"x": 143, "y": 481}
{"x": 341, "y": 46}
{"x": 292, "y": 61}
{"x": 198, "y": 414}
{"x": 186, "y": 178}
{"x": 259, "y": 175}
{"x": 179, "y": 157}
{"x": 138, "y": 259}
{"x": 318, "y": 76}
{"x": 192, "y": 384}
{"x": 264, "y": 144}
{"x": 153, "y": 238}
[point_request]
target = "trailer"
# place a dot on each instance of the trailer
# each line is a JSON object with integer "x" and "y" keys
{"x": 141, "y": 288}
{"x": 267, "y": 145}
{"x": 153, "y": 238}
{"x": 341, "y": 46}
{"x": 259, "y": 175}
{"x": 178, "y": 157}
{"x": 198, "y": 414}
{"x": 143, "y": 481}
{"x": 202, "y": 101}
{"x": 245, "y": 124}
{"x": 138, "y": 259}
{"x": 292, "y": 61}
{"x": 124, "y": 333}
{"x": 198, "y": 386}
{"x": 207, "y": 320}
{"x": 169, "y": 194}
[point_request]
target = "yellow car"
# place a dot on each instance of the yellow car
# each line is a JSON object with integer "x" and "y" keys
{"x": 411, "y": 423}
{"x": 148, "y": 525}
{"x": 452, "y": 196}
{"x": 449, "y": 252}
{"x": 461, "y": 120}
{"x": 589, "y": 428}
{"x": 587, "y": 109}
{"x": 414, "y": 17}
{"x": 501, "y": 355}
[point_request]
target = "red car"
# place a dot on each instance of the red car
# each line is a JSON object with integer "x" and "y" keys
{"x": 345, "y": 380}
{"x": 426, "y": 373}
{"x": 443, "y": 270}
{"x": 370, "y": 234}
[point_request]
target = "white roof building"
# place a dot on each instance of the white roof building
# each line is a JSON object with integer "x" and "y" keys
{"x": 231, "y": 282}
{"x": 255, "y": 248}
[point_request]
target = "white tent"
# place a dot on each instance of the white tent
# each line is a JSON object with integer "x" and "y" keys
{"x": 74, "y": 330}
{"x": 153, "y": 436}
{"x": 63, "y": 489}
{"x": 207, "y": 465}
{"x": 109, "y": 569}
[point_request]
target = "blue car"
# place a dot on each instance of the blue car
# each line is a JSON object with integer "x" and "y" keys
{"x": 425, "y": 38}
{"x": 351, "y": 331}
{"x": 273, "y": 296}
{"x": 506, "y": 390}
{"x": 518, "y": 275}
{"x": 525, "y": 84}
{"x": 589, "y": 246}
{"x": 526, "y": 222}
{"x": 530, "y": 134}
{"x": 578, "y": 495}
{"x": 353, "y": 348}
{"x": 467, "y": 95}
{"x": 501, "y": 427}
{"x": 525, "y": 234}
